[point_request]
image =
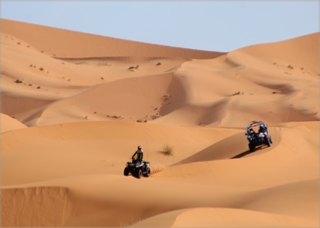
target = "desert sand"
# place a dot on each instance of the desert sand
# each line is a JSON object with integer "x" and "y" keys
{"x": 75, "y": 106}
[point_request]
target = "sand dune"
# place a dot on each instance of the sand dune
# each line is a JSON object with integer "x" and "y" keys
{"x": 75, "y": 106}
{"x": 9, "y": 124}
{"x": 71, "y": 44}
{"x": 100, "y": 140}
{"x": 215, "y": 217}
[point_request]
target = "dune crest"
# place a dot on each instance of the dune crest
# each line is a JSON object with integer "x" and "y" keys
{"x": 71, "y": 44}
{"x": 75, "y": 106}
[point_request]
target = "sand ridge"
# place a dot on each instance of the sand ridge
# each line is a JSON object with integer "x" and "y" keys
{"x": 75, "y": 106}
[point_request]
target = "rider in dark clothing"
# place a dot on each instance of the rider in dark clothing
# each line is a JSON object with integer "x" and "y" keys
{"x": 262, "y": 128}
{"x": 138, "y": 155}
{"x": 252, "y": 132}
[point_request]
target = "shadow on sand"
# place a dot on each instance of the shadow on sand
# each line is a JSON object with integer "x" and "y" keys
{"x": 248, "y": 152}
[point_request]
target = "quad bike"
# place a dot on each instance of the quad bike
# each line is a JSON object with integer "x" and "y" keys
{"x": 137, "y": 169}
{"x": 258, "y": 139}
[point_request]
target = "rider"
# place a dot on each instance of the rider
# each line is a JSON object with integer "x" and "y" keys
{"x": 138, "y": 155}
{"x": 252, "y": 133}
{"x": 262, "y": 128}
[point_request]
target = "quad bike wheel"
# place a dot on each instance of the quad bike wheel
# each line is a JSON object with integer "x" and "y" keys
{"x": 251, "y": 147}
{"x": 147, "y": 173}
{"x": 126, "y": 171}
{"x": 138, "y": 173}
{"x": 268, "y": 142}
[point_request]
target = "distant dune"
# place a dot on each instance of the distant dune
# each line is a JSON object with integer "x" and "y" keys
{"x": 71, "y": 44}
{"x": 75, "y": 106}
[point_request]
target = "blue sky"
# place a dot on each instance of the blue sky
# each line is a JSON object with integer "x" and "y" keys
{"x": 205, "y": 25}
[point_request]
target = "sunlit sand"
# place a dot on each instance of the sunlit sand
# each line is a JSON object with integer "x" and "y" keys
{"x": 75, "y": 106}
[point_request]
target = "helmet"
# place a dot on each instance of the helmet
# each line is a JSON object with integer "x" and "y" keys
{"x": 139, "y": 147}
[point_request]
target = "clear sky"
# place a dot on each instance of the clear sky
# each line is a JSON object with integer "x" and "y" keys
{"x": 206, "y": 25}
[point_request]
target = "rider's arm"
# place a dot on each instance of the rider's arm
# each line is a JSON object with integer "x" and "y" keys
{"x": 134, "y": 155}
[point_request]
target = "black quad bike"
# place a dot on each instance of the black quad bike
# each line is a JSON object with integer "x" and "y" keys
{"x": 137, "y": 169}
{"x": 259, "y": 138}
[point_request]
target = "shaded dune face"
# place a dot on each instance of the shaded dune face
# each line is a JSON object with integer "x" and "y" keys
{"x": 75, "y": 106}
